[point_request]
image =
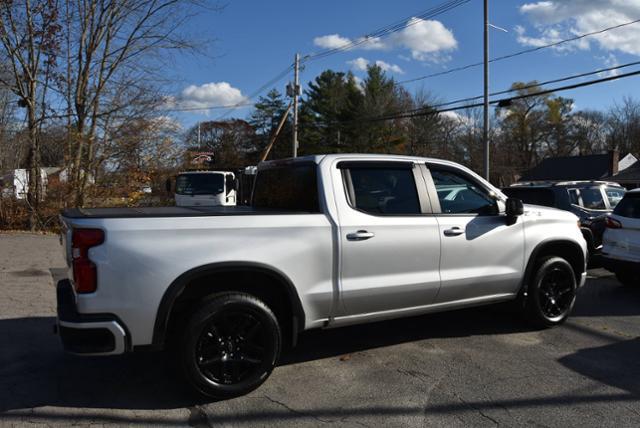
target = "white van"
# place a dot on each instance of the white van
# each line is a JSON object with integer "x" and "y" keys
{"x": 205, "y": 188}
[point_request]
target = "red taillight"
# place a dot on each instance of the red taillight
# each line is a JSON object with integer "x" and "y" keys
{"x": 613, "y": 224}
{"x": 85, "y": 275}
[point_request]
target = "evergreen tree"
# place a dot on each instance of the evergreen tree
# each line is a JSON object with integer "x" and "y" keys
{"x": 265, "y": 119}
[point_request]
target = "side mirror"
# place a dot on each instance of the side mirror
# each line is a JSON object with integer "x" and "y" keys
{"x": 514, "y": 208}
{"x": 230, "y": 183}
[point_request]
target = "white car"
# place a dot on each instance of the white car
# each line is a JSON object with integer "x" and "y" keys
{"x": 621, "y": 241}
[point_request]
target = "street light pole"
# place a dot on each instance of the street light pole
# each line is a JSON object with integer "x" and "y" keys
{"x": 296, "y": 94}
{"x": 485, "y": 130}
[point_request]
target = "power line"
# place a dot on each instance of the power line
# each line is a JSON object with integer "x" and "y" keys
{"x": 391, "y": 28}
{"x": 215, "y": 107}
{"x": 258, "y": 91}
{"x": 515, "y": 54}
{"x": 409, "y": 114}
{"x": 534, "y": 85}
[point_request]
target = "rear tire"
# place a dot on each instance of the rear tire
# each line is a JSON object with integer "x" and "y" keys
{"x": 230, "y": 345}
{"x": 551, "y": 293}
{"x": 628, "y": 278}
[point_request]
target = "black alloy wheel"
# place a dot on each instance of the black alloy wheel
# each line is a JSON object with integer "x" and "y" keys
{"x": 551, "y": 293}
{"x": 230, "y": 346}
{"x": 556, "y": 292}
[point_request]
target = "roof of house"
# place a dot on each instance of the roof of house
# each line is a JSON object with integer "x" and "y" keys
{"x": 567, "y": 168}
{"x": 632, "y": 173}
{"x": 590, "y": 167}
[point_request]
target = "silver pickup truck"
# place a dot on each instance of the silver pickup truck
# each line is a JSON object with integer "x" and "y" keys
{"x": 328, "y": 241}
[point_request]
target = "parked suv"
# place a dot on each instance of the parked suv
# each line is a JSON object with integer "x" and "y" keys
{"x": 621, "y": 250}
{"x": 591, "y": 201}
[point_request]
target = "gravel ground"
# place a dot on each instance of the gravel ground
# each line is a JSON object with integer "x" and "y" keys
{"x": 479, "y": 367}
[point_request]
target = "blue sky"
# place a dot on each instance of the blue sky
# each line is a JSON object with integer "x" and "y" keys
{"x": 256, "y": 40}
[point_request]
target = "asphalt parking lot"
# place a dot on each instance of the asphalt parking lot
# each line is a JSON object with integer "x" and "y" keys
{"x": 480, "y": 367}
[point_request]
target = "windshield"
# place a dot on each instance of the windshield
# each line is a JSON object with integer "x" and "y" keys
{"x": 629, "y": 206}
{"x": 592, "y": 199}
{"x": 614, "y": 195}
{"x": 200, "y": 184}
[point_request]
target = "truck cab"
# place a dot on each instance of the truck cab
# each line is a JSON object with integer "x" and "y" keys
{"x": 205, "y": 188}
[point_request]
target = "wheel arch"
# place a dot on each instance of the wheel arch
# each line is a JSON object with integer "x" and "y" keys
{"x": 191, "y": 278}
{"x": 567, "y": 249}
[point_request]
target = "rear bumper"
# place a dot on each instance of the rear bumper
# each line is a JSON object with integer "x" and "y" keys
{"x": 88, "y": 334}
{"x": 615, "y": 265}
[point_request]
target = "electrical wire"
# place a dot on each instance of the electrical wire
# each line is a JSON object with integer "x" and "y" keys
{"x": 533, "y": 85}
{"x": 389, "y": 29}
{"x": 432, "y": 110}
{"x": 515, "y": 54}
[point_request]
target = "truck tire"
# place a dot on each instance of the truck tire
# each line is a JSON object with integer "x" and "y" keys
{"x": 551, "y": 293}
{"x": 628, "y": 278}
{"x": 230, "y": 345}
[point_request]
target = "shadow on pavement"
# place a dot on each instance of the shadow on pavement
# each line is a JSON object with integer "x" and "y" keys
{"x": 34, "y": 371}
{"x": 317, "y": 344}
{"x": 607, "y": 297}
{"x": 616, "y": 364}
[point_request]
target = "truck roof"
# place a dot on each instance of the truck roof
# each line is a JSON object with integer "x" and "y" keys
{"x": 317, "y": 159}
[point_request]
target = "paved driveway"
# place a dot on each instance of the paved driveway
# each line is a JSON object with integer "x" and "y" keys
{"x": 477, "y": 367}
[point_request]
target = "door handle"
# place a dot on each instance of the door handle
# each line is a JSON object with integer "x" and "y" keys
{"x": 361, "y": 235}
{"x": 454, "y": 231}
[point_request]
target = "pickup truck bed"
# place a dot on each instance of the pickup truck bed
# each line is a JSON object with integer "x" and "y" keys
{"x": 138, "y": 212}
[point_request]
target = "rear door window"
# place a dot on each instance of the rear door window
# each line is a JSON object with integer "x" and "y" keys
{"x": 592, "y": 199}
{"x": 383, "y": 190}
{"x": 289, "y": 188}
{"x": 629, "y": 206}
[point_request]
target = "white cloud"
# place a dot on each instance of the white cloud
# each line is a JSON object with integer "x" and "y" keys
{"x": 610, "y": 61}
{"x": 336, "y": 41}
{"x": 210, "y": 94}
{"x": 360, "y": 64}
{"x": 331, "y": 41}
{"x": 458, "y": 118}
{"x": 556, "y": 19}
{"x": 385, "y": 66}
{"x": 427, "y": 40}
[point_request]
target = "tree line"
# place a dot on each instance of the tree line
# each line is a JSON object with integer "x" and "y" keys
{"x": 339, "y": 114}
{"x": 79, "y": 85}
{"x": 83, "y": 88}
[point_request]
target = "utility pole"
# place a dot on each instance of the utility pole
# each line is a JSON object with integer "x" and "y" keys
{"x": 485, "y": 130}
{"x": 296, "y": 95}
{"x": 198, "y": 135}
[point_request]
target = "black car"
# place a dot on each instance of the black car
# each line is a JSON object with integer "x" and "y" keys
{"x": 591, "y": 201}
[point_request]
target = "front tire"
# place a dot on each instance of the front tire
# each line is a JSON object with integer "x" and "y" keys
{"x": 230, "y": 345}
{"x": 551, "y": 293}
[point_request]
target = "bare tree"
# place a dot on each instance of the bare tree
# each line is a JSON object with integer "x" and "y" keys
{"x": 624, "y": 126}
{"x": 113, "y": 44}
{"x": 28, "y": 43}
